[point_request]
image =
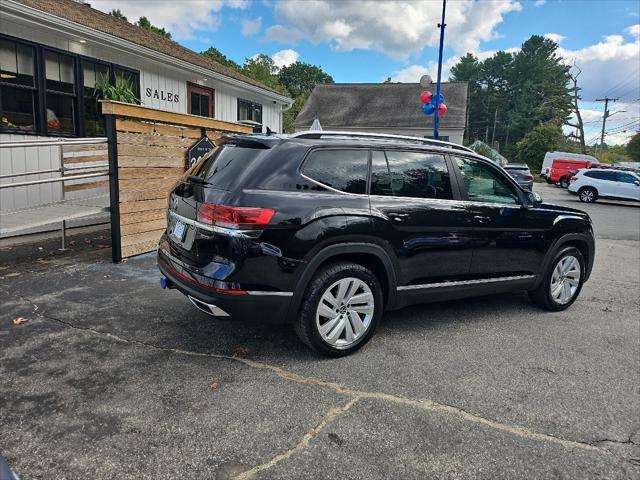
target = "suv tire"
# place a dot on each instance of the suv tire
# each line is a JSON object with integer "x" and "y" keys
{"x": 562, "y": 281}
{"x": 332, "y": 291}
{"x": 588, "y": 194}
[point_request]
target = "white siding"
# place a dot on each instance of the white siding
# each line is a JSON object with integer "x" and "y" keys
{"x": 28, "y": 159}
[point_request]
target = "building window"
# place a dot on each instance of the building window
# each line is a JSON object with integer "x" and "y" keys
{"x": 251, "y": 114}
{"x": 60, "y": 93}
{"x": 48, "y": 92}
{"x": 200, "y": 100}
{"x": 17, "y": 87}
{"x": 93, "y": 74}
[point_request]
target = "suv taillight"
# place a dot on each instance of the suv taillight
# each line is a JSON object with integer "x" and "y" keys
{"x": 528, "y": 177}
{"x": 234, "y": 217}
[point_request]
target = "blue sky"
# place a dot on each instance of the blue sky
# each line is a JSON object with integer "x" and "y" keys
{"x": 370, "y": 40}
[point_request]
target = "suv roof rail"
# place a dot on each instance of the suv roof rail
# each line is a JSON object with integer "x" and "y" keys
{"x": 388, "y": 136}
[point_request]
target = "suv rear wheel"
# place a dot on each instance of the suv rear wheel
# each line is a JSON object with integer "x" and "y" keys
{"x": 588, "y": 194}
{"x": 562, "y": 281}
{"x": 341, "y": 309}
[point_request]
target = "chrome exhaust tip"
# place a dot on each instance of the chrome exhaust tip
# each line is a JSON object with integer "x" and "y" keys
{"x": 207, "y": 308}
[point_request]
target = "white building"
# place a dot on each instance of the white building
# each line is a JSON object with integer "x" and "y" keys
{"x": 393, "y": 108}
{"x": 52, "y": 52}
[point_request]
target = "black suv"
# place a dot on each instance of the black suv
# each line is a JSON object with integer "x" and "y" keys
{"x": 328, "y": 230}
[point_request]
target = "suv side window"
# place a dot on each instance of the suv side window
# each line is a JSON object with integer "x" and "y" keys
{"x": 484, "y": 184}
{"x": 344, "y": 170}
{"x": 410, "y": 174}
{"x": 626, "y": 177}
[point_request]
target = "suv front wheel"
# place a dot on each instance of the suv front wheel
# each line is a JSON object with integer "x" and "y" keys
{"x": 341, "y": 309}
{"x": 562, "y": 281}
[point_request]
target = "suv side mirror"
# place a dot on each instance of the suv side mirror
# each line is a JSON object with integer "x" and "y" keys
{"x": 531, "y": 199}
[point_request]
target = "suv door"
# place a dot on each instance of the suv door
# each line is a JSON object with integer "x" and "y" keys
{"x": 416, "y": 208}
{"x": 507, "y": 238}
{"x": 628, "y": 186}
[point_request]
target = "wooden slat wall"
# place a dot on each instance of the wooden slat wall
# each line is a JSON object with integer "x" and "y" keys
{"x": 86, "y": 156}
{"x": 152, "y": 155}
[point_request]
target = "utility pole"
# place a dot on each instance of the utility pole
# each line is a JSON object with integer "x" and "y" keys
{"x": 606, "y": 101}
{"x": 493, "y": 135}
{"x": 436, "y": 118}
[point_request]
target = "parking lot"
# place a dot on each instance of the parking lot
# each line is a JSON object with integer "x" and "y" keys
{"x": 108, "y": 376}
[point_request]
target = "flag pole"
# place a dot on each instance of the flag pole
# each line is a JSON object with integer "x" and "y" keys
{"x": 436, "y": 118}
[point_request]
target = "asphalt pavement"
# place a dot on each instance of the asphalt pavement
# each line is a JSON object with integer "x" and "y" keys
{"x": 108, "y": 376}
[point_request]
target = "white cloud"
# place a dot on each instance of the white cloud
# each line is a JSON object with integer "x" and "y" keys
{"x": 633, "y": 30}
{"x": 539, "y": 3}
{"x": 619, "y": 127}
{"x": 398, "y": 28}
{"x": 555, "y": 37}
{"x": 182, "y": 18}
{"x": 609, "y": 67}
{"x": 284, "y": 58}
{"x": 251, "y": 27}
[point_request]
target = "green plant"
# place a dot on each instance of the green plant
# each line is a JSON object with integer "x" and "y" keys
{"x": 122, "y": 91}
{"x": 545, "y": 137}
{"x": 633, "y": 147}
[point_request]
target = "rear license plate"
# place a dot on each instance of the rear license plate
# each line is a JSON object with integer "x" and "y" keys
{"x": 178, "y": 231}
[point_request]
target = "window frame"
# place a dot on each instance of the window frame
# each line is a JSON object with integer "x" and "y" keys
{"x": 462, "y": 188}
{"x": 194, "y": 87}
{"x": 40, "y": 96}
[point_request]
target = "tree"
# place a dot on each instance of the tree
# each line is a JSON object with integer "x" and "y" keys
{"x": 300, "y": 78}
{"x": 509, "y": 94}
{"x": 262, "y": 69}
{"x": 633, "y": 147}
{"x": 216, "y": 55}
{"x": 545, "y": 137}
{"x": 118, "y": 14}
{"x": 146, "y": 24}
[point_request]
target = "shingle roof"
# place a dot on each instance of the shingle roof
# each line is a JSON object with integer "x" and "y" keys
{"x": 92, "y": 18}
{"x": 380, "y": 105}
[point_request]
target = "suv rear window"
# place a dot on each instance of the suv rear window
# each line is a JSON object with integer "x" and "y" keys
{"x": 225, "y": 166}
{"x": 344, "y": 170}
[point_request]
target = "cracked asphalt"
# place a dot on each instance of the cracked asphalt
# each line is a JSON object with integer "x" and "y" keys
{"x": 109, "y": 376}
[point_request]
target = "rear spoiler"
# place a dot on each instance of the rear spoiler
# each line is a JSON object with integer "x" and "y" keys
{"x": 250, "y": 141}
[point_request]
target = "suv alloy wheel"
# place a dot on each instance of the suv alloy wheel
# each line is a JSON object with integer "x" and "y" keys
{"x": 562, "y": 281}
{"x": 587, "y": 194}
{"x": 341, "y": 309}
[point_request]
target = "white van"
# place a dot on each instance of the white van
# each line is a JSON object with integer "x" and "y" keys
{"x": 551, "y": 156}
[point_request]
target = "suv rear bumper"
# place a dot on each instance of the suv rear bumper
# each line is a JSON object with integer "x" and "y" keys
{"x": 250, "y": 306}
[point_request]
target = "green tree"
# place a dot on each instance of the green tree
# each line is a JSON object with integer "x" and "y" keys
{"x": 633, "y": 147}
{"x": 262, "y": 69}
{"x": 515, "y": 92}
{"x": 300, "y": 78}
{"x": 118, "y": 14}
{"x": 545, "y": 137}
{"x": 216, "y": 55}
{"x": 146, "y": 24}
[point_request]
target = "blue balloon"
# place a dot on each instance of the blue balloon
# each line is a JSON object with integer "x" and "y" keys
{"x": 429, "y": 108}
{"x": 439, "y": 101}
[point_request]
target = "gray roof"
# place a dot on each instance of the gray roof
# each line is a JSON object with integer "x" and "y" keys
{"x": 380, "y": 105}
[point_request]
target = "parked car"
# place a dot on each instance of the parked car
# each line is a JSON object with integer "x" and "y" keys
{"x": 329, "y": 230}
{"x": 521, "y": 174}
{"x": 596, "y": 183}
{"x": 561, "y": 170}
{"x": 547, "y": 162}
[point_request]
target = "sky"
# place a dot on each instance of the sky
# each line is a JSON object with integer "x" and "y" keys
{"x": 367, "y": 41}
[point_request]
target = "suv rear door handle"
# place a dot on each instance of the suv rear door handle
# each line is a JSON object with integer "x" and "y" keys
{"x": 481, "y": 219}
{"x": 398, "y": 217}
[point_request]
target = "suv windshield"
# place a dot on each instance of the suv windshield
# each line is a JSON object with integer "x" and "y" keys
{"x": 226, "y": 165}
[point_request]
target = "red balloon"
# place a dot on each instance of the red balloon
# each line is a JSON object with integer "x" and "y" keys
{"x": 425, "y": 97}
{"x": 442, "y": 109}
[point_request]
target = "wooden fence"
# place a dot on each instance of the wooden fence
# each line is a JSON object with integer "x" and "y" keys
{"x": 147, "y": 154}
